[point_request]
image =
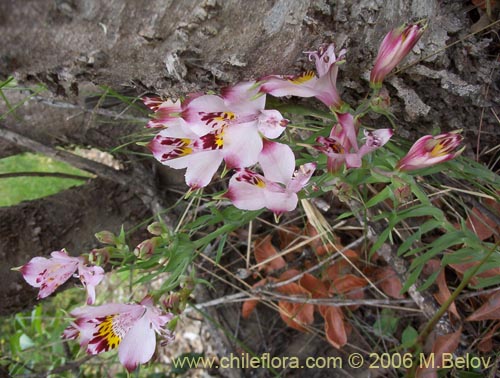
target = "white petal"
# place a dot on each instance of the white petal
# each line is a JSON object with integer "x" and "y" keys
{"x": 138, "y": 346}
{"x": 271, "y": 123}
{"x": 202, "y": 167}
{"x": 242, "y": 145}
{"x": 277, "y": 162}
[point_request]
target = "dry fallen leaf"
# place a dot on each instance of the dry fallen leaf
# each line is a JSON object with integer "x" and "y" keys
{"x": 443, "y": 344}
{"x": 389, "y": 282}
{"x": 489, "y": 310}
{"x": 250, "y": 304}
{"x": 263, "y": 250}
{"x": 443, "y": 292}
{"x": 335, "y": 329}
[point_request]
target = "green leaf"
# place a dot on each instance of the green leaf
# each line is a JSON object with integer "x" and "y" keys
{"x": 422, "y": 230}
{"x": 220, "y": 248}
{"x": 386, "y": 324}
{"x": 25, "y": 342}
{"x": 379, "y": 197}
{"x": 409, "y": 337}
{"x": 14, "y": 190}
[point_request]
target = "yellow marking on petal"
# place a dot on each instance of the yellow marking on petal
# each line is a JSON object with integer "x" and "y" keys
{"x": 107, "y": 332}
{"x": 185, "y": 141}
{"x": 438, "y": 150}
{"x": 306, "y": 76}
{"x": 219, "y": 139}
{"x": 259, "y": 183}
{"x": 185, "y": 151}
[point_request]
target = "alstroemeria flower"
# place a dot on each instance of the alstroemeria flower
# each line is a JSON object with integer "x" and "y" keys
{"x": 237, "y": 106}
{"x": 49, "y": 274}
{"x": 212, "y": 129}
{"x": 342, "y": 147}
{"x": 430, "y": 150}
{"x": 238, "y": 146}
{"x": 395, "y": 46}
{"x": 166, "y": 111}
{"x": 131, "y": 328}
{"x": 323, "y": 86}
{"x": 277, "y": 189}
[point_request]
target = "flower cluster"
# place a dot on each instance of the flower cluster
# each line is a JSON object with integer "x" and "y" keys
{"x": 131, "y": 328}
{"x": 235, "y": 128}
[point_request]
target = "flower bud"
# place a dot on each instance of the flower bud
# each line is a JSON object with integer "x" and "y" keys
{"x": 155, "y": 228}
{"x": 430, "y": 150}
{"x": 106, "y": 237}
{"x": 395, "y": 46}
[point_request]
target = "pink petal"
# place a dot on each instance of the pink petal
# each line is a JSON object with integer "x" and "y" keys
{"x": 49, "y": 274}
{"x": 374, "y": 140}
{"x": 90, "y": 276}
{"x": 206, "y": 113}
{"x": 277, "y": 162}
{"x": 244, "y": 98}
{"x": 138, "y": 346}
{"x": 250, "y": 191}
{"x": 349, "y": 128}
{"x": 300, "y": 86}
{"x": 302, "y": 177}
{"x": 201, "y": 167}
{"x": 271, "y": 123}
{"x": 242, "y": 145}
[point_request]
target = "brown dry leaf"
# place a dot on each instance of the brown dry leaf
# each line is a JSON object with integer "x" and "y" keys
{"x": 296, "y": 315}
{"x": 480, "y": 224}
{"x": 462, "y": 268}
{"x": 389, "y": 282}
{"x": 317, "y": 244}
{"x": 250, "y": 304}
{"x": 489, "y": 310}
{"x": 335, "y": 329}
{"x": 443, "y": 344}
{"x": 263, "y": 250}
{"x": 288, "y": 235}
{"x": 486, "y": 343}
{"x": 317, "y": 289}
{"x": 341, "y": 267}
{"x": 350, "y": 286}
{"x": 443, "y": 292}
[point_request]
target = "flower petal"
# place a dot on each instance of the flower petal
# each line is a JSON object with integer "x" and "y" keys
{"x": 301, "y": 177}
{"x": 277, "y": 161}
{"x": 138, "y": 346}
{"x": 250, "y": 191}
{"x": 90, "y": 276}
{"x": 49, "y": 274}
{"x": 271, "y": 123}
{"x": 242, "y": 145}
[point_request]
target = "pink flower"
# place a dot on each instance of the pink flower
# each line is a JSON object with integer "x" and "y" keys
{"x": 165, "y": 111}
{"x": 342, "y": 147}
{"x": 430, "y": 150}
{"x": 395, "y": 46}
{"x": 131, "y": 328}
{"x": 323, "y": 86}
{"x": 212, "y": 129}
{"x": 49, "y": 274}
{"x": 277, "y": 189}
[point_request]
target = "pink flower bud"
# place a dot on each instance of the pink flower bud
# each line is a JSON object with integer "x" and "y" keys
{"x": 395, "y": 46}
{"x": 430, "y": 150}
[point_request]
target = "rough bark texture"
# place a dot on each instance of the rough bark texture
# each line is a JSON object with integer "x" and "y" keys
{"x": 173, "y": 47}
